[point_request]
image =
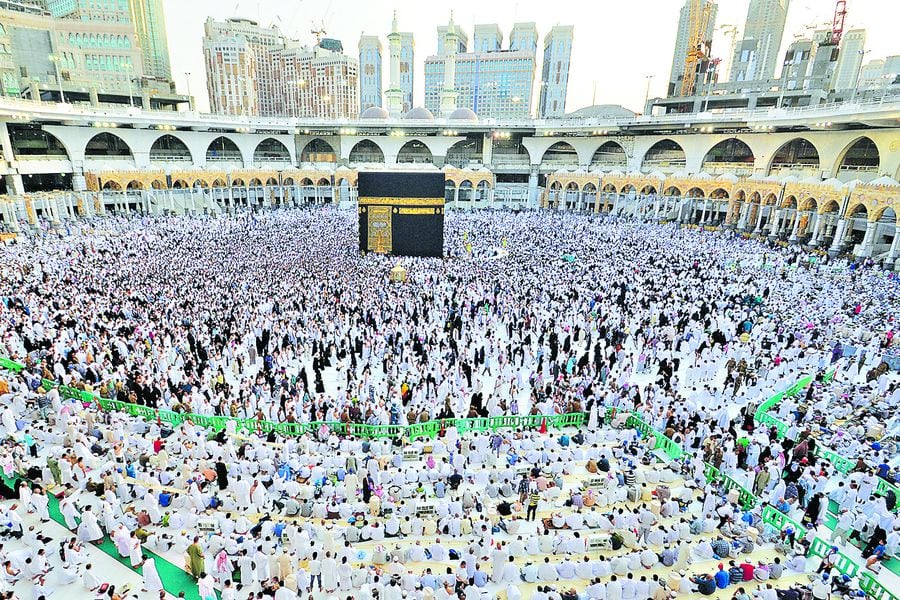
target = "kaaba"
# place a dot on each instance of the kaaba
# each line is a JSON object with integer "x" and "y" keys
{"x": 401, "y": 213}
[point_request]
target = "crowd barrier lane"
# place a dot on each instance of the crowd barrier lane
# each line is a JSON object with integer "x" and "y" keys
{"x": 820, "y": 548}
{"x": 428, "y": 429}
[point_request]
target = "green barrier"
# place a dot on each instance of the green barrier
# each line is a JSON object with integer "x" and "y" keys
{"x": 429, "y": 429}
{"x": 778, "y": 519}
{"x": 746, "y": 498}
{"x": 11, "y": 365}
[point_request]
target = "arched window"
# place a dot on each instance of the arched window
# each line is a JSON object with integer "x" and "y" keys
{"x": 223, "y": 149}
{"x": 107, "y": 145}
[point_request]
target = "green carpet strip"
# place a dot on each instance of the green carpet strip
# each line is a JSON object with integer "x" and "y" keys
{"x": 175, "y": 580}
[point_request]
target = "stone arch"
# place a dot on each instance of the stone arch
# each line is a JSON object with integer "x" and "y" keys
{"x": 415, "y": 152}
{"x": 306, "y": 182}
{"x": 366, "y": 151}
{"x": 610, "y": 155}
{"x": 463, "y": 152}
{"x": 223, "y": 149}
{"x": 797, "y": 153}
{"x": 572, "y": 186}
{"x": 449, "y": 190}
{"x": 560, "y": 154}
{"x": 33, "y": 140}
{"x": 287, "y": 181}
{"x": 200, "y": 184}
{"x": 112, "y": 185}
{"x": 886, "y": 214}
{"x": 271, "y": 150}
{"x": 482, "y": 191}
{"x": 860, "y": 155}
{"x": 318, "y": 150}
{"x": 255, "y": 182}
{"x": 719, "y": 194}
{"x": 180, "y": 184}
{"x": 238, "y": 182}
{"x": 271, "y": 181}
{"x": 219, "y": 183}
{"x": 856, "y": 209}
{"x": 466, "y": 191}
{"x": 695, "y": 192}
{"x": 609, "y": 189}
{"x": 648, "y": 189}
{"x": 158, "y": 184}
{"x": 323, "y": 182}
{"x": 830, "y": 207}
{"x": 134, "y": 184}
{"x": 809, "y": 204}
{"x": 664, "y": 155}
{"x": 107, "y": 145}
{"x": 789, "y": 202}
{"x": 771, "y": 199}
{"x": 731, "y": 154}
{"x": 671, "y": 191}
{"x": 170, "y": 148}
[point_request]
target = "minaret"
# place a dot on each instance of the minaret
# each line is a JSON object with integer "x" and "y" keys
{"x": 394, "y": 94}
{"x": 451, "y": 45}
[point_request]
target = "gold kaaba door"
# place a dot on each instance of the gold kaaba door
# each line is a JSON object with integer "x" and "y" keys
{"x": 380, "y": 235}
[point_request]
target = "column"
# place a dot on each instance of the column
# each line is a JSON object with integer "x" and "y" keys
{"x": 796, "y": 226}
{"x": 868, "y": 245}
{"x": 742, "y": 216}
{"x": 533, "y": 186}
{"x": 487, "y": 150}
{"x": 838, "y": 236}
{"x": 817, "y": 230}
{"x": 895, "y": 248}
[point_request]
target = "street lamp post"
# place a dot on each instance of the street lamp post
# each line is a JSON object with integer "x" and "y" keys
{"x": 55, "y": 60}
{"x": 187, "y": 78}
{"x": 862, "y": 55}
{"x": 649, "y": 78}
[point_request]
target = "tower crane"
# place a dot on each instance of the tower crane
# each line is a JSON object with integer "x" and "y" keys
{"x": 698, "y": 45}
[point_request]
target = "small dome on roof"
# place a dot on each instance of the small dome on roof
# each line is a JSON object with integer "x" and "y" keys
{"x": 884, "y": 180}
{"x": 601, "y": 111}
{"x": 374, "y": 112}
{"x": 419, "y": 113}
{"x": 463, "y": 114}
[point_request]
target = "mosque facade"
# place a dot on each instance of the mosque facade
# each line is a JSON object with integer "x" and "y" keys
{"x": 822, "y": 176}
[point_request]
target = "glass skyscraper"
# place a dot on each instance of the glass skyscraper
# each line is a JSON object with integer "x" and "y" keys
{"x": 150, "y": 26}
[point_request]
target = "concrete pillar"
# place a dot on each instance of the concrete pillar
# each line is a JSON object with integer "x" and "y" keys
{"x": 533, "y": 186}
{"x": 94, "y": 96}
{"x": 868, "y": 244}
{"x": 145, "y": 100}
{"x": 817, "y": 230}
{"x": 487, "y": 150}
{"x": 759, "y": 216}
{"x": 773, "y": 221}
{"x": 895, "y": 248}
{"x": 742, "y": 216}
{"x": 838, "y": 236}
{"x": 796, "y": 227}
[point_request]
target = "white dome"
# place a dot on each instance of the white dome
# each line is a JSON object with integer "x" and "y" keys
{"x": 419, "y": 113}
{"x": 374, "y": 112}
{"x": 884, "y": 180}
{"x": 463, "y": 114}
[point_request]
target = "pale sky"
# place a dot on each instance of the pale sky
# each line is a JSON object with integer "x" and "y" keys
{"x": 618, "y": 43}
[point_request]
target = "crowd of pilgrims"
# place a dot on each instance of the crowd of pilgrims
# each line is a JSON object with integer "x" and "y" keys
{"x": 275, "y": 316}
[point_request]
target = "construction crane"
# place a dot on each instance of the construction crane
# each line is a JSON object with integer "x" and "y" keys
{"x": 837, "y": 24}
{"x": 319, "y": 32}
{"x": 698, "y": 45}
